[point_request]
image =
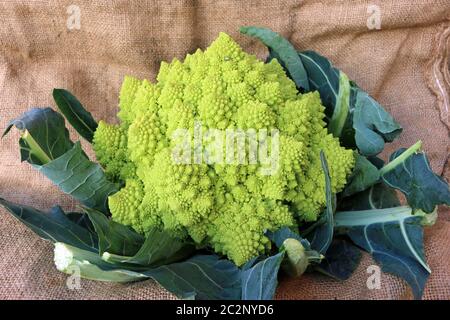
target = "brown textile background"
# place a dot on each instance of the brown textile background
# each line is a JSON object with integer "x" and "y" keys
{"x": 404, "y": 65}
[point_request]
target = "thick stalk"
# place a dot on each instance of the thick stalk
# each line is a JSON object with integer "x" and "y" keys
{"x": 35, "y": 148}
{"x": 341, "y": 110}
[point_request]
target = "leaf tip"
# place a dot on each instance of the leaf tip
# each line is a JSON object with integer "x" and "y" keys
{"x": 418, "y": 145}
{"x": 243, "y": 29}
{"x": 250, "y": 30}
{"x": 56, "y": 92}
{"x": 8, "y": 128}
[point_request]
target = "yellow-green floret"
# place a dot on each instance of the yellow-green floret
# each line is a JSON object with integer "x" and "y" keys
{"x": 174, "y": 181}
{"x": 110, "y": 146}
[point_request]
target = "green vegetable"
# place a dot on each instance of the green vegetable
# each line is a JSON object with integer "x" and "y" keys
{"x": 226, "y": 206}
{"x": 378, "y": 196}
{"x": 167, "y": 217}
{"x": 355, "y": 117}
{"x": 54, "y": 226}
{"x": 341, "y": 109}
{"x": 394, "y": 237}
{"x": 45, "y": 144}
{"x": 159, "y": 248}
{"x": 324, "y": 78}
{"x": 341, "y": 259}
{"x": 204, "y": 277}
{"x": 259, "y": 282}
{"x": 78, "y": 117}
{"x": 44, "y": 136}
{"x": 372, "y": 124}
{"x": 76, "y": 249}
{"x": 286, "y": 53}
{"x": 83, "y": 179}
{"x": 409, "y": 171}
{"x": 323, "y": 232}
{"x": 114, "y": 237}
{"x": 364, "y": 175}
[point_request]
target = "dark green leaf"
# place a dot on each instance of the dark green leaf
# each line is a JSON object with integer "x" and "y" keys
{"x": 83, "y": 179}
{"x": 342, "y": 108}
{"x": 412, "y": 175}
{"x": 159, "y": 248}
{"x": 394, "y": 237}
{"x": 75, "y": 113}
{"x": 355, "y": 117}
{"x": 377, "y": 162}
{"x": 323, "y": 77}
{"x": 53, "y": 226}
{"x": 203, "y": 276}
{"x": 378, "y": 196}
{"x": 260, "y": 281}
{"x": 284, "y": 51}
{"x": 341, "y": 260}
{"x": 251, "y": 263}
{"x": 323, "y": 234}
{"x": 82, "y": 220}
{"x": 46, "y": 145}
{"x": 364, "y": 175}
{"x": 44, "y": 136}
{"x": 373, "y": 125}
{"x": 334, "y": 89}
{"x": 114, "y": 237}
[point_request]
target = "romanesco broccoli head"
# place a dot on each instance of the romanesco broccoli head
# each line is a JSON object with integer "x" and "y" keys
{"x": 215, "y": 96}
{"x": 110, "y": 146}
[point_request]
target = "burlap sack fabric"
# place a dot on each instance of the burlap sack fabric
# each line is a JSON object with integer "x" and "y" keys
{"x": 404, "y": 65}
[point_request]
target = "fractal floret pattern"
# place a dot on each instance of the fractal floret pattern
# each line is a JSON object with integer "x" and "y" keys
{"x": 228, "y": 207}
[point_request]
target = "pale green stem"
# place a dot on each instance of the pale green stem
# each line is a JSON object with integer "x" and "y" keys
{"x": 340, "y": 113}
{"x": 35, "y": 148}
{"x": 400, "y": 159}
